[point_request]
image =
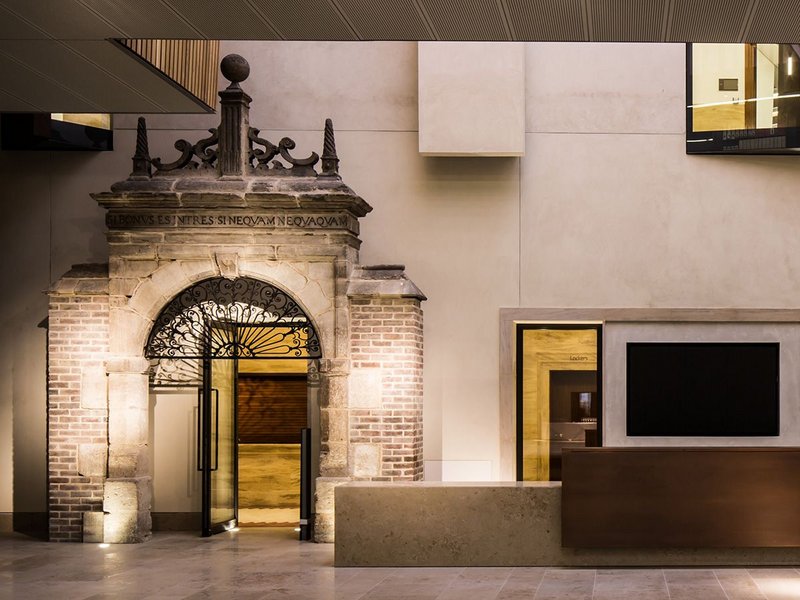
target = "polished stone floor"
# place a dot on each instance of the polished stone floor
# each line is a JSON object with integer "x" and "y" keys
{"x": 271, "y": 564}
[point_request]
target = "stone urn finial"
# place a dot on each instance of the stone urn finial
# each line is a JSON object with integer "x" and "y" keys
{"x": 235, "y": 69}
{"x": 234, "y": 127}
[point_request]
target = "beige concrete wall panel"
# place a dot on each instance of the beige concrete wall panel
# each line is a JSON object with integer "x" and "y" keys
{"x": 600, "y": 88}
{"x": 376, "y": 92}
{"x": 453, "y": 222}
{"x": 667, "y": 230}
{"x": 23, "y": 225}
{"x": 471, "y": 99}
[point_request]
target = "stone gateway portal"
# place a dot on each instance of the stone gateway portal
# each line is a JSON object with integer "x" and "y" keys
{"x": 222, "y": 260}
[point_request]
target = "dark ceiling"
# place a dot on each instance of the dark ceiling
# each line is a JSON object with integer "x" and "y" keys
{"x": 55, "y": 55}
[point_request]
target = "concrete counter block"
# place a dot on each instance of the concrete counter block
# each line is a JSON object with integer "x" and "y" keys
{"x": 488, "y": 524}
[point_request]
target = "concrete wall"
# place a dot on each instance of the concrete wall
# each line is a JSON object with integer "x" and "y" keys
{"x": 604, "y": 209}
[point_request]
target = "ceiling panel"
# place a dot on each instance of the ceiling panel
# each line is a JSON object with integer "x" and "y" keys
{"x": 546, "y": 20}
{"x": 707, "y": 20}
{"x": 224, "y": 19}
{"x": 142, "y": 18}
{"x": 398, "y": 20}
{"x": 38, "y": 90}
{"x": 9, "y": 103}
{"x": 626, "y": 20}
{"x": 305, "y": 19}
{"x": 471, "y": 20}
{"x": 70, "y": 21}
{"x": 153, "y": 86}
{"x": 775, "y": 21}
{"x": 14, "y": 28}
{"x": 75, "y": 73}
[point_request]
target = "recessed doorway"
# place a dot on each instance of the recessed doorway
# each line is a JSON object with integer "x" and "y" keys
{"x": 558, "y": 395}
{"x": 272, "y": 403}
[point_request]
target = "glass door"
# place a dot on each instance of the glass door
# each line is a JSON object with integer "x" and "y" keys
{"x": 559, "y": 386}
{"x": 218, "y": 446}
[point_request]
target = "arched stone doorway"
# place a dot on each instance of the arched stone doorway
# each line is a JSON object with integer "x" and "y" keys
{"x": 250, "y": 416}
{"x": 227, "y": 221}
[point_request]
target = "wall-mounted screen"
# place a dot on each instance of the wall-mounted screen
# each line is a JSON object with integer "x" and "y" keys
{"x": 743, "y": 98}
{"x": 702, "y": 389}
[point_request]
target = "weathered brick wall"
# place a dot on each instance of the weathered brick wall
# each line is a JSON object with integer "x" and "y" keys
{"x": 77, "y": 411}
{"x": 386, "y": 402}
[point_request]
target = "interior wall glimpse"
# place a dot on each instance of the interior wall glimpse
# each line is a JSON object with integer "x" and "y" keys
{"x": 273, "y": 408}
{"x": 173, "y": 427}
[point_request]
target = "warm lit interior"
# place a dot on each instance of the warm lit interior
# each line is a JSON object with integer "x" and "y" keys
{"x": 272, "y": 406}
{"x": 558, "y": 397}
{"x": 744, "y": 86}
{"x": 99, "y": 120}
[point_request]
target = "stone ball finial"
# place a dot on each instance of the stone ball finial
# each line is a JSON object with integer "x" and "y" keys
{"x": 235, "y": 68}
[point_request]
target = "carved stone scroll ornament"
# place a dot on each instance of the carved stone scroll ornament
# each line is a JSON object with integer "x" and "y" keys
{"x": 301, "y": 167}
{"x": 204, "y": 156}
{"x": 201, "y": 150}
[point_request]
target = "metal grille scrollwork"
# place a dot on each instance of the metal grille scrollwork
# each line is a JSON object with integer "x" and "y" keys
{"x": 227, "y": 318}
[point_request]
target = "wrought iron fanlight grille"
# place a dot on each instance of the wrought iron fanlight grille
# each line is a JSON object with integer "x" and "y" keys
{"x": 226, "y": 319}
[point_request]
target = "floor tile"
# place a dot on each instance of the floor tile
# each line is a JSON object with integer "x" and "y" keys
{"x": 273, "y": 565}
{"x": 738, "y": 584}
{"x": 777, "y": 584}
{"x": 694, "y": 584}
{"x": 566, "y": 584}
{"x": 641, "y": 584}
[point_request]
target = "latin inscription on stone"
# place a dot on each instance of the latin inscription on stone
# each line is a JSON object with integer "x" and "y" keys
{"x": 130, "y": 221}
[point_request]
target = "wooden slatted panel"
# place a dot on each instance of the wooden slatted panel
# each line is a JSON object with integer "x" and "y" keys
{"x": 272, "y": 408}
{"x": 190, "y": 63}
{"x": 681, "y": 498}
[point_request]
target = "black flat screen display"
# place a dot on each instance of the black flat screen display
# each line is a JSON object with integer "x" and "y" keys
{"x": 702, "y": 389}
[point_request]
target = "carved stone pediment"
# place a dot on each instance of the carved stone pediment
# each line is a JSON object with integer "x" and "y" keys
{"x": 234, "y": 179}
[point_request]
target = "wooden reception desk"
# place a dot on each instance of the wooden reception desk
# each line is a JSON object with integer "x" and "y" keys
{"x": 681, "y": 498}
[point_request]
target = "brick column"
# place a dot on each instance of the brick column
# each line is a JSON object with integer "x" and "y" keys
{"x": 385, "y": 407}
{"x": 77, "y": 401}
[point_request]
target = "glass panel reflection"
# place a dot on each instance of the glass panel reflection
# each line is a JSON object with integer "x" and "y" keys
{"x": 747, "y": 96}
{"x": 223, "y": 449}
